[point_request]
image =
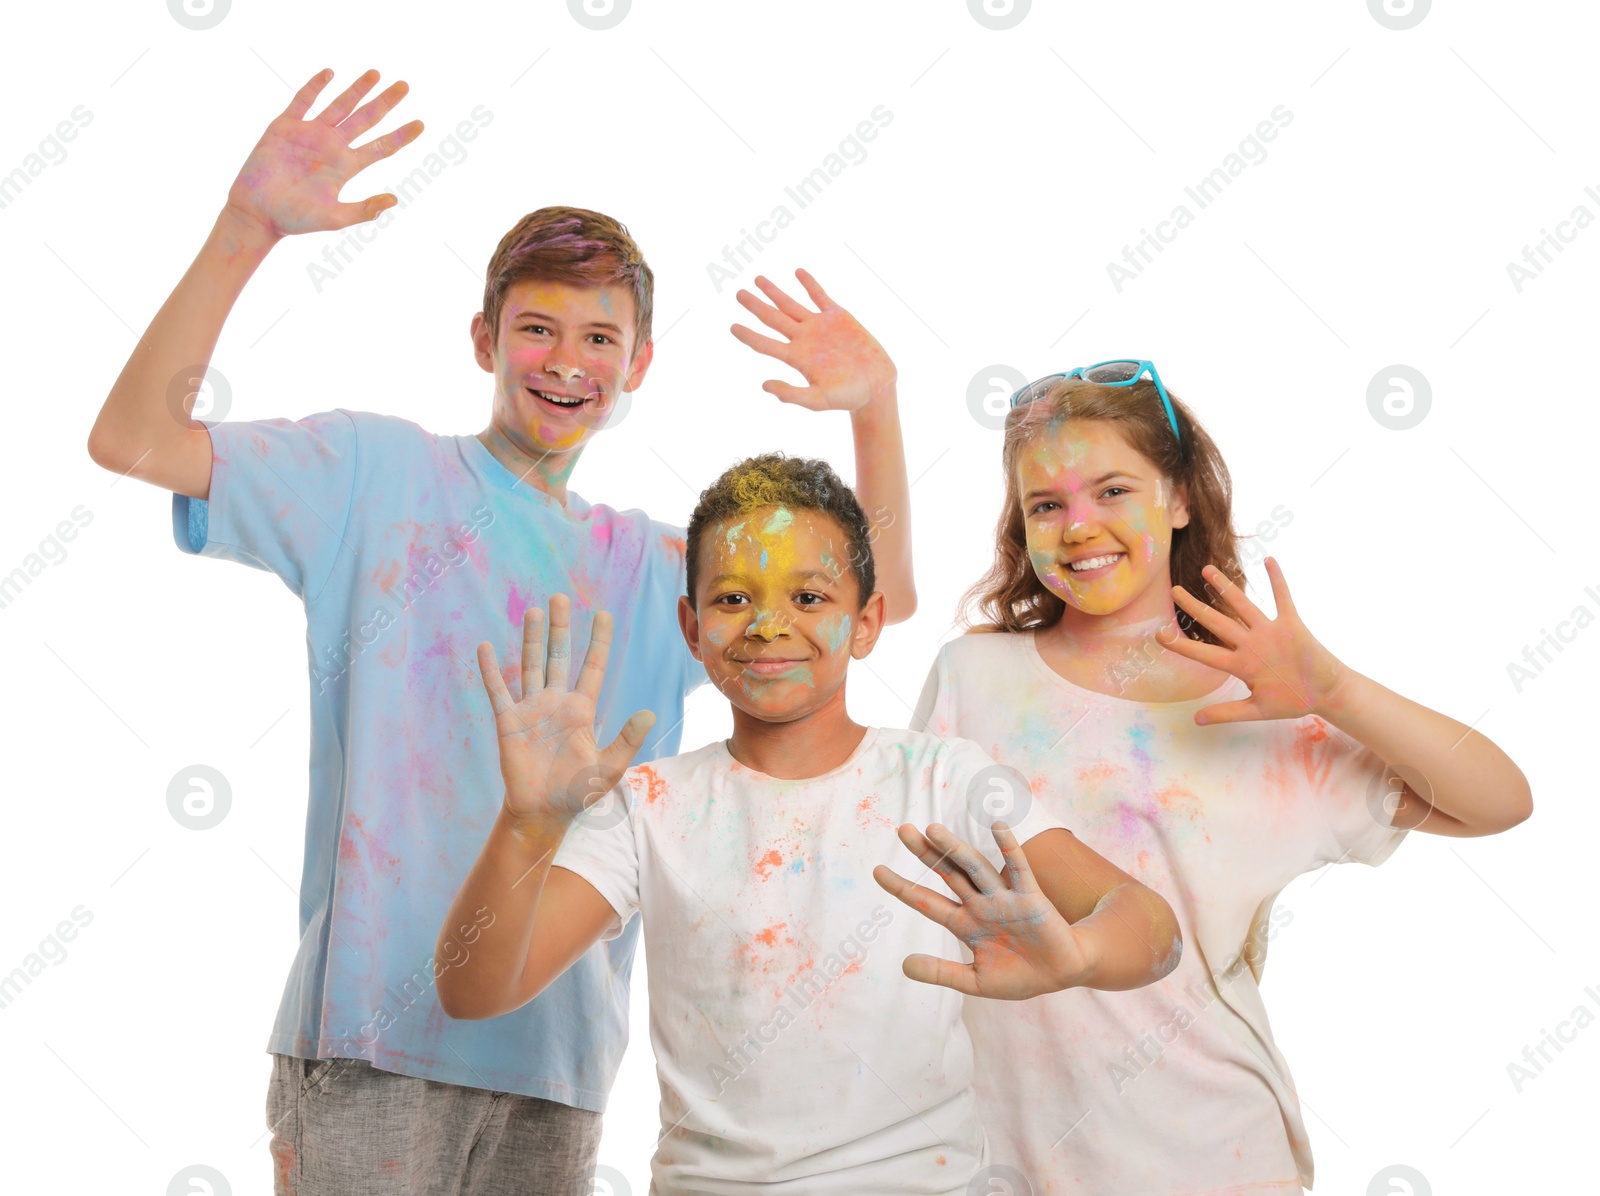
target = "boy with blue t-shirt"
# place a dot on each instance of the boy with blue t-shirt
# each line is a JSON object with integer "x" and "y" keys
{"x": 406, "y": 548}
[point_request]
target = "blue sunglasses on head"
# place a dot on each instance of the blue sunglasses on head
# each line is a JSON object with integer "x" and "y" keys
{"x": 1121, "y": 372}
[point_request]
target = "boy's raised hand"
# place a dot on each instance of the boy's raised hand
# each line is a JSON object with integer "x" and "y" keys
{"x": 553, "y": 768}
{"x": 1289, "y": 673}
{"x": 844, "y": 364}
{"x": 290, "y": 183}
{"x": 1021, "y": 945}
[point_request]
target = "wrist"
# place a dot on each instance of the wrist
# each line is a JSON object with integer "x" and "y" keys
{"x": 1088, "y": 953}
{"x": 242, "y": 231}
{"x": 531, "y": 835}
{"x": 882, "y": 405}
{"x": 1340, "y": 695}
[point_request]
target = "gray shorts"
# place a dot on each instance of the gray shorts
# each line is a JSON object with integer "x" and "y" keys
{"x": 341, "y": 1127}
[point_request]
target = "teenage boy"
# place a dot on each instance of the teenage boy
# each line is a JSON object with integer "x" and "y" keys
{"x": 401, "y": 545}
{"x": 793, "y": 1053}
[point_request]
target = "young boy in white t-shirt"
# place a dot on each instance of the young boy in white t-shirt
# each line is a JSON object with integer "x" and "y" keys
{"x": 792, "y": 1051}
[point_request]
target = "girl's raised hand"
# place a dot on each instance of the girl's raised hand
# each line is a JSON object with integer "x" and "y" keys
{"x": 1021, "y": 945}
{"x": 844, "y": 365}
{"x": 1289, "y": 673}
{"x": 552, "y": 767}
{"x": 290, "y": 183}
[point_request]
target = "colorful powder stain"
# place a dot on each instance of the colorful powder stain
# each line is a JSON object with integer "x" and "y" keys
{"x": 767, "y": 863}
{"x": 654, "y": 786}
{"x": 517, "y": 602}
{"x": 834, "y": 631}
{"x": 868, "y": 814}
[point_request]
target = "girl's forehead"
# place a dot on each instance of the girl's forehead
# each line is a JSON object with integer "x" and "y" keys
{"x": 1075, "y": 447}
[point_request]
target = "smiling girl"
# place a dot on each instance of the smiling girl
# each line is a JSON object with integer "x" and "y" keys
{"x": 1214, "y": 750}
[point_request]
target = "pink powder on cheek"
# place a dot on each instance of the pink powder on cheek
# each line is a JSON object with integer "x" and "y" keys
{"x": 520, "y": 363}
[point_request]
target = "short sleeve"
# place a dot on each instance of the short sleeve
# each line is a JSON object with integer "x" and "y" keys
{"x": 280, "y": 497}
{"x": 972, "y": 791}
{"x": 1354, "y": 791}
{"x": 933, "y": 714}
{"x": 601, "y": 848}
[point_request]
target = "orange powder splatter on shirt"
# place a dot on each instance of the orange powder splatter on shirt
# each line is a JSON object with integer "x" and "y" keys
{"x": 1101, "y": 770}
{"x": 1308, "y": 752}
{"x": 767, "y": 863}
{"x": 655, "y": 786}
{"x": 386, "y": 575}
{"x": 868, "y": 815}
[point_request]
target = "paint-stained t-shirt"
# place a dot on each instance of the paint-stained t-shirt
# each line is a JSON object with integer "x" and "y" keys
{"x": 793, "y": 1053}
{"x": 407, "y": 550}
{"x": 1177, "y": 1087}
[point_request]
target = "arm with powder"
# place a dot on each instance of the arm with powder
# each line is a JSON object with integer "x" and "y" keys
{"x": 1061, "y": 916}
{"x": 847, "y": 370}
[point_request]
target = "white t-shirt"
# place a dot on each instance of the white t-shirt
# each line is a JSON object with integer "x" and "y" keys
{"x": 1177, "y": 1087}
{"x": 793, "y": 1053}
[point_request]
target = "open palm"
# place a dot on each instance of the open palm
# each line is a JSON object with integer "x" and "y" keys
{"x": 844, "y": 364}
{"x": 551, "y": 764}
{"x": 291, "y": 181}
{"x": 1289, "y": 673}
{"x": 1021, "y": 945}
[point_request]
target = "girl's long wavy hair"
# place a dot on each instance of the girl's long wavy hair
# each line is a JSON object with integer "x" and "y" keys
{"x": 1010, "y": 596}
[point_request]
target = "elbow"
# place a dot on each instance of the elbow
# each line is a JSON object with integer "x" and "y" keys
{"x": 1516, "y": 806}
{"x": 1520, "y": 806}
{"x": 108, "y": 451}
{"x": 1167, "y": 961}
{"x": 101, "y": 449}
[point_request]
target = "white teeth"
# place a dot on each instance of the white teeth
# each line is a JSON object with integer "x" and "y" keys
{"x": 559, "y": 400}
{"x": 1093, "y": 562}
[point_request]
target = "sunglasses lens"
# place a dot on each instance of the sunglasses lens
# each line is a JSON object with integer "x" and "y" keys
{"x": 1113, "y": 371}
{"x": 1035, "y": 390}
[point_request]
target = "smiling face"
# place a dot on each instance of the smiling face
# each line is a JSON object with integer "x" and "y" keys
{"x": 777, "y": 616}
{"x": 564, "y": 357}
{"x": 1099, "y": 518}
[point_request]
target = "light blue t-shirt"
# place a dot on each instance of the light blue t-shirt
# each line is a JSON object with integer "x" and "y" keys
{"x": 407, "y": 550}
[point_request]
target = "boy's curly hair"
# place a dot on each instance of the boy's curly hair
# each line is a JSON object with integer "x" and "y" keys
{"x": 798, "y": 483}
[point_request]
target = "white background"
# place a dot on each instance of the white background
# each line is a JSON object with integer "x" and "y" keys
{"x": 976, "y": 232}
